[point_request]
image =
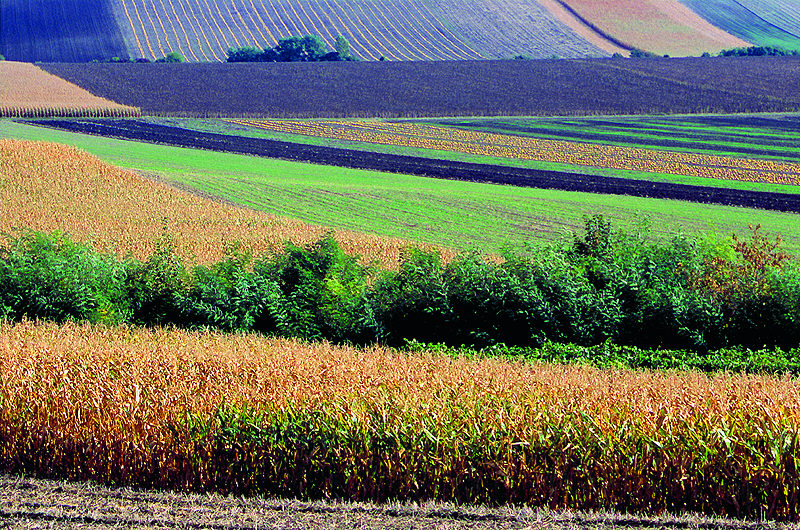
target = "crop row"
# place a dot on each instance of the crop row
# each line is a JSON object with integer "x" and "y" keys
{"x": 742, "y": 136}
{"x": 664, "y": 27}
{"x": 28, "y": 91}
{"x": 749, "y": 22}
{"x": 203, "y": 30}
{"x": 501, "y": 28}
{"x": 511, "y": 146}
{"x": 246, "y": 415}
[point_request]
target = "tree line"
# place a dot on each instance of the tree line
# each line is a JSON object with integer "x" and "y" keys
{"x": 294, "y": 49}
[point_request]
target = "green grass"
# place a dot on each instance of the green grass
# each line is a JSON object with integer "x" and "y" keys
{"x": 458, "y": 214}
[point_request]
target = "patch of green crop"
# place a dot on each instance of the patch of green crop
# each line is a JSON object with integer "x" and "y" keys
{"x": 462, "y": 215}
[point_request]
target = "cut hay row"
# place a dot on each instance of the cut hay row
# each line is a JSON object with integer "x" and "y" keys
{"x": 48, "y": 187}
{"x": 247, "y": 414}
{"x": 424, "y": 136}
{"x": 28, "y": 91}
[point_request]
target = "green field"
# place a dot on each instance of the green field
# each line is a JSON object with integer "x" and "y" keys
{"x": 456, "y": 214}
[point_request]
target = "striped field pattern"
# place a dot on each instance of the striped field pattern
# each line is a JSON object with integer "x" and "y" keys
{"x": 203, "y": 30}
{"x": 425, "y": 136}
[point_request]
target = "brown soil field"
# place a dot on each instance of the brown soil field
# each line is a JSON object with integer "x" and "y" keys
{"x": 660, "y": 26}
{"x": 47, "y": 187}
{"x": 27, "y": 90}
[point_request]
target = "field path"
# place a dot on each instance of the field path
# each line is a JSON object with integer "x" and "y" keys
{"x": 34, "y": 503}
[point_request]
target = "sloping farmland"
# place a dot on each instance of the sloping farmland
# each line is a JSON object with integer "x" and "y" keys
{"x": 66, "y": 30}
{"x": 763, "y": 23}
{"x": 203, "y": 30}
{"x": 660, "y": 26}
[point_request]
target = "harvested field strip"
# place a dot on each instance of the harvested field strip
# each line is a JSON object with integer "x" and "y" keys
{"x": 246, "y": 414}
{"x": 28, "y": 91}
{"x": 512, "y": 146}
{"x": 46, "y": 187}
{"x": 445, "y": 169}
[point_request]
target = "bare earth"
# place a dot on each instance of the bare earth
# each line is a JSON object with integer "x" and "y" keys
{"x": 27, "y": 503}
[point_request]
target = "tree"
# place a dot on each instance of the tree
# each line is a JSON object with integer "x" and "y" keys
{"x": 342, "y": 47}
{"x": 314, "y": 48}
{"x": 245, "y": 54}
{"x": 290, "y": 50}
{"x": 172, "y": 57}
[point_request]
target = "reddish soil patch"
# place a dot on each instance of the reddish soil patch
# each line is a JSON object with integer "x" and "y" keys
{"x": 660, "y": 26}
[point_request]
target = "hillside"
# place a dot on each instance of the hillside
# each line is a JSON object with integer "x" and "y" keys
{"x": 397, "y": 30}
{"x": 203, "y": 30}
{"x": 660, "y": 26}
{"x": 761, "y": 22}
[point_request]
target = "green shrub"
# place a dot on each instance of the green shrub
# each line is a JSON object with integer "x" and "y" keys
{"x": 51, "y": 277}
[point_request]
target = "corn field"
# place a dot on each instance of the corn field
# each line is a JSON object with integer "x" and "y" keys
{"x": 247, "y": 414}
{"x": 433, "y": 137}
{"x": 47, "y": 187}
{"x": 27, "y": 91}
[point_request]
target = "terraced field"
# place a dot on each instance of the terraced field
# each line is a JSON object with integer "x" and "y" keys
{"x": 763, "y": 23}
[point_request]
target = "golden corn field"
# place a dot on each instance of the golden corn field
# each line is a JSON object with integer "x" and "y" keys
{"x": 424, "y": 136}
{"x": 248, "y": 414}
{"x": 27, "y": 91}
{"x": 47, "y": 186}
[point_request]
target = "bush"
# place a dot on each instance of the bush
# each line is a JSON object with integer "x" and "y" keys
{"x": 51, "y": 277}
{"x": 323, "y": 292}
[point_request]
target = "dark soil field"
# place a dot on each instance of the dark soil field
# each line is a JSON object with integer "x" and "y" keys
{"x": 444, "y": 88}
{"x": 27, "y": 503}
{"x": 446, "y": 169}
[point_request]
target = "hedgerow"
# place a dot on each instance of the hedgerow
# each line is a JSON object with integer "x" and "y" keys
{"x": 603, "y": 287}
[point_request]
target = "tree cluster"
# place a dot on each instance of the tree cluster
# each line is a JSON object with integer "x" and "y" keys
{"x": 758, "y": 51}
{"x": 293, "y": 49}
